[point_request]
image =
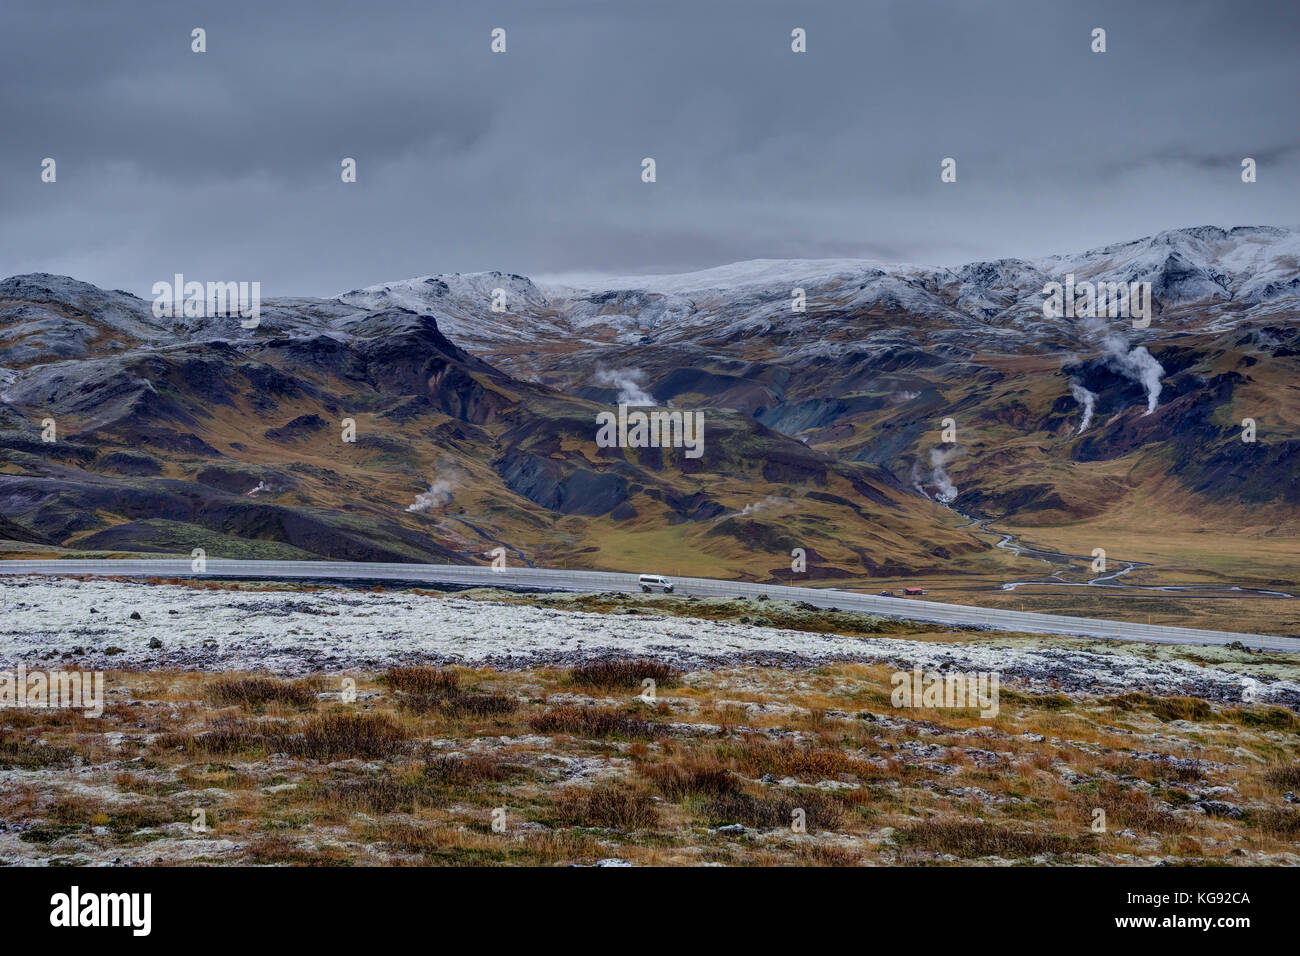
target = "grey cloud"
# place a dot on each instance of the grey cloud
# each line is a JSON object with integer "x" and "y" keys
{"x": 227, "y": 163}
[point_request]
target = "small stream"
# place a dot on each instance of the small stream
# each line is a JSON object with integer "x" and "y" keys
{"x": 1109, "y": 579}
{"x": 487, "y": 537}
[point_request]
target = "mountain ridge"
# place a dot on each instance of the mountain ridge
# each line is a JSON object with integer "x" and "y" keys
{"x": 825, "y": 426}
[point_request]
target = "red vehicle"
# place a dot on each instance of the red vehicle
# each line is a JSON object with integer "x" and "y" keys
{"x": 913, "y": 592}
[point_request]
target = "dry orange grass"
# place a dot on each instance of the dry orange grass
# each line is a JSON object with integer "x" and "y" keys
{"x": 403, "y": 780}
{"x": 606, "y": 805}
{"x": 591, "y": 722}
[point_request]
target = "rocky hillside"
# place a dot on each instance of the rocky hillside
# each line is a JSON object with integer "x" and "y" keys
{"x": 1079, "y": 428}
{"x": 232, "y": 440}
{"x": 824, "y": 426}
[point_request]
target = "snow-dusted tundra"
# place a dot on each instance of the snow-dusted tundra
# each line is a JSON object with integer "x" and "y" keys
{"x": 94, "y": 624}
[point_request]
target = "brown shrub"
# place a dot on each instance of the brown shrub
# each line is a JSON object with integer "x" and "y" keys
{"x": 1131, "y": 809}
{"x": 22, "y": 754}
{"x": 413, "y": 837}
{"x": 676, "y": 781}
{"x": 275, "y": 849}
{"x": 339, "y": 735}
{"x": 606, "y": 805}
{"x": 223, "y": 736}
{"x": 1165, "y": 708}
{"x": 1283, "y": 777}
{"x": 466, "y": 770}
{"x": 969, "y": 839}
{"x": 821, "y": 854}
{"x": 1182, "y": 708}
{"x": 121, "y": 819}
{"x": 1266, "y": 718}
{"x": 1183, "y": 772}
{"x": 457, "y": 704}
{"x": 767, "y": 810}
{"x": 422, "y": 680}
{"x": 373, "y": 794}
{"x": 591, "y": 722}
{"x": 623, "y": 674}
{"x": 756, "y": 756}
{"x": 430, "y": 784}
{"x": 1282, "y": 823}
{"x": 253, "y": 692}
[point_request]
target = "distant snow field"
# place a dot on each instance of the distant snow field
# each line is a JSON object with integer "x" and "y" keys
{"x": 51, "y": 622}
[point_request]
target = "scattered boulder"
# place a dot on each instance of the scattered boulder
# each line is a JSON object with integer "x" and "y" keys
{"x": 1218, "y": 808}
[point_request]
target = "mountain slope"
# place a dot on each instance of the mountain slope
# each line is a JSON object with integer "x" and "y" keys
{"x": 236, "y": 445}
{"x": 883, "y": 354}
{"x": 825, "y": 428}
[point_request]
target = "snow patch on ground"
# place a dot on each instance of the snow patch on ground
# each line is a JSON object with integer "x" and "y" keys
{"x": 48, "y": 621}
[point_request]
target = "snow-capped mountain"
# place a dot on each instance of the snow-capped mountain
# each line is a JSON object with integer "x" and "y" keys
{"x": 1193, "y": 273}
{"x": 1200, "y": 277}
{"x": 825, "y": 382}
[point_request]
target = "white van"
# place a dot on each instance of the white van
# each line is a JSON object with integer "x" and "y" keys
{"x": 650, "y": 582}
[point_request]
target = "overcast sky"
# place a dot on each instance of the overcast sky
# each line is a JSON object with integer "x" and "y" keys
{"x": 225, "y": 165}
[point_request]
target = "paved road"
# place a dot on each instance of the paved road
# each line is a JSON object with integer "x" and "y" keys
{"x": 908, "y": 608}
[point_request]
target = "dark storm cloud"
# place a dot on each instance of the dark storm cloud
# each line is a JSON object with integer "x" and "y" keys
{"x": 226, "y": 164}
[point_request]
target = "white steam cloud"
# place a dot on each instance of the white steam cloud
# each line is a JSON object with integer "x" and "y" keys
{"x": 754, "y": 507}
{"x": 1137, "y": 364}
{"x": 441, "y": 490}
{"x": 1085, "y": 398}
{"x": 945, "y": 490}
{"x": 918, "y": 478}
{"x": 630, "y": 383}
{"x": 939, "y": 476}
{"x": 439, "y": 494}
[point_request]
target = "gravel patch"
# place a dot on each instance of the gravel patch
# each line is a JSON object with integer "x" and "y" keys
{"x": 52, "y": 622}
